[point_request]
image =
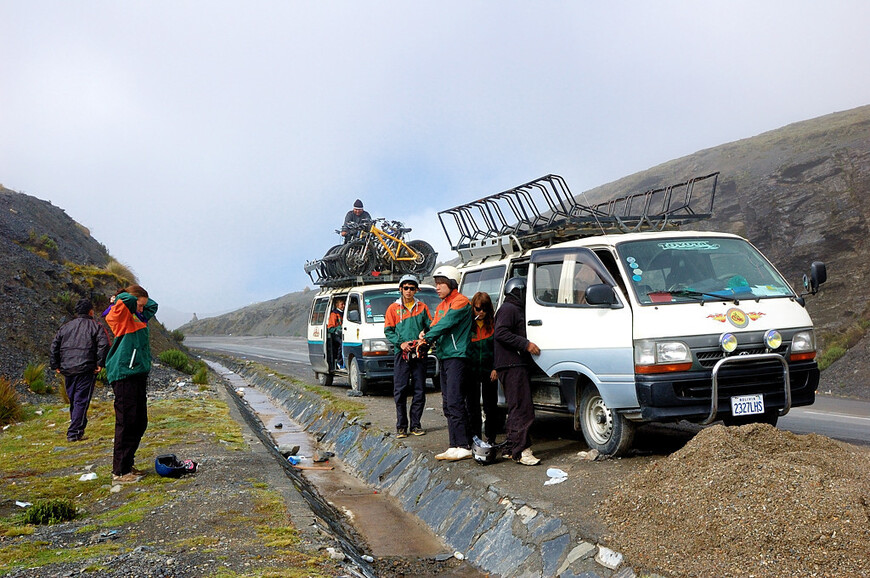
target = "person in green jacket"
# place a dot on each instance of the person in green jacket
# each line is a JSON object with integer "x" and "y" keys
{"x": 127, "y": 368}
{"x": 451, "y": 332}
{"x": 404, "y": 320}
{"x": 482, "y": 378}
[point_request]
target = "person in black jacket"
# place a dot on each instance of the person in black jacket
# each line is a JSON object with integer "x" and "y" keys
{"x": 355, "y": 218}
{"x": 511, "y": 358}
{"x": 78, "y": 352}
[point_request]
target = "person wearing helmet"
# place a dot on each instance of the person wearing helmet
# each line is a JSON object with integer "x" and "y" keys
{"x": 352, "y": 220}
{"x": 511, "y": 359}
{"x": 404, "y": 320}
{"x": 451, "y": 332}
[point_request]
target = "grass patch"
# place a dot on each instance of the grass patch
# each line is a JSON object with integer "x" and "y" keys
{"x": 34, "y": 377}
{"x": 10, "y": 405}
{"x": 51, "y": 511}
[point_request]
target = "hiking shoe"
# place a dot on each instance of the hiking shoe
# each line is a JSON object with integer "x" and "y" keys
{"x": 418, "y": 431}
{"x": 401, "y": 432}
{"x": 130, "y": 478}
{"x": 527, "y": 458}
{"x": 137, "y": 471}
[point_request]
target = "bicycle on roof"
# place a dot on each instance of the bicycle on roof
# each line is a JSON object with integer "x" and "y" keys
{"x": 381, "y": 248}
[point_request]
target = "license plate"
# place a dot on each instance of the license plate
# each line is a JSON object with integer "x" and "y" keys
{"x": 747, "y": 404}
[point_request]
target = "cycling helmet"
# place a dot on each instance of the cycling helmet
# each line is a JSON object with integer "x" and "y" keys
{"x": 515, "y": 286}
{"x": 483, "y": 452}
{"x": 408, "y": 279}
{"x": 168, "y": 466}
{"x": 448, "y": 272}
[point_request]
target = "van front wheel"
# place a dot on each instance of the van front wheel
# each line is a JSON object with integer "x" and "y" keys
{"x": 604, "y": 429}
{"x": 358, "y": 382}
{"x": 324, "y": 379}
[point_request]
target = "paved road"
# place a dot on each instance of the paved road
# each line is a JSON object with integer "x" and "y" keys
{"x": 843, "y": 419}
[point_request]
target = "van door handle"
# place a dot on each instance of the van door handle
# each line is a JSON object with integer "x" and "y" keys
{"x": 536, "y": 322}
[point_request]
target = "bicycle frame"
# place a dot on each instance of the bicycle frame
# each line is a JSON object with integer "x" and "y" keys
{"x": 402, "y": 253}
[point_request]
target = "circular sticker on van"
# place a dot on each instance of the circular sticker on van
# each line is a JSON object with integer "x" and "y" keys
{"x": 737, "y": 317}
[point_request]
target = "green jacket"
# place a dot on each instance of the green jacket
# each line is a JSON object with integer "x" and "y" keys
{"x": 451, "y": 327}
{"x": 131, "y": 351}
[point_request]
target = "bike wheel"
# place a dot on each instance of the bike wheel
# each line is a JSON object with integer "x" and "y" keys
{"x": 355, "y": 259}
{"x": 425, "y": 261}
{"x": 329, "y": 267}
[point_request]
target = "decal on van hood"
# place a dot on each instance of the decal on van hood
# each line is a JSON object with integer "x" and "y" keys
{"x": 737, "y": 317}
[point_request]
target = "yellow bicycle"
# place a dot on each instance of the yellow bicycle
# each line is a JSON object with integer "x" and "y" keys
{"x": 382, "y": 249}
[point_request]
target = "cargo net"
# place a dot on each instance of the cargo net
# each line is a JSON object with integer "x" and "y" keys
{"x": 544, "y": 211}
{"x": 376, "y": 252}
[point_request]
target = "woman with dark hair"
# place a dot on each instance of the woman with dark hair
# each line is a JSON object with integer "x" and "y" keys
{"x": 127, "y": 368}
{"x": 482, "y": 379}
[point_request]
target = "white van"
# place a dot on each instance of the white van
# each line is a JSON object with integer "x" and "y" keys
{"x": 367, "y": 357}
{"x": 654, "y": 327}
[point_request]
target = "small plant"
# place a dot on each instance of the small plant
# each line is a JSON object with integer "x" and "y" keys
{"x": 42, "y": 245}
{"x": 177, "y": 335}
{"x": 200, "y": 377}
{"x": 50, "y": 511}
{"x": 34, "y": 377}
{"x": 120, "y": 270}
{"x": 10, "y": 405}
{"x": 830, "y": 355}
{"x": 67, "y": 300}
{"x": 102, "y": 376}
{"x": 176, "y": 359}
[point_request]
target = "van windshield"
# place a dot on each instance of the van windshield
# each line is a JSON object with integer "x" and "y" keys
{"x": 685, "y": 269}
{"x": 376, "y": 301}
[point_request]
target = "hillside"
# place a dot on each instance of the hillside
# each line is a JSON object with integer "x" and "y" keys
{"x": 48, "y": 261}
{"x": 284, "y": 317}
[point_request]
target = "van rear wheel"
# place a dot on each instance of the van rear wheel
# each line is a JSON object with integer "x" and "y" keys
{"x": 605, "y": 430}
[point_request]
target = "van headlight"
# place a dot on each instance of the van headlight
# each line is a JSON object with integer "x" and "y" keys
{"x": 803, "y": 345}
{"x": 652, "y": 356}
{"x": 375, "y": 347}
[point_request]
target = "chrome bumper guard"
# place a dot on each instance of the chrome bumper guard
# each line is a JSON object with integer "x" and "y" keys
{"x": 714, "y": 404}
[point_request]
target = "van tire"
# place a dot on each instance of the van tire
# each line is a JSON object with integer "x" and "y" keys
{"x": 603, "y": 429}
{"x": 324, "y": 379}
{"x": 357, "y": 381}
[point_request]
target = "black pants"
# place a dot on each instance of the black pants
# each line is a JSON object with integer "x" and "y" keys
{"x": 481, "y": 388}
{"x": 521, "y": 412}
{"x": 131, "y": 421}
{"x": 409, "y": 377}
{"x": 453, "y": 393}
{"x": 79, "y": 389}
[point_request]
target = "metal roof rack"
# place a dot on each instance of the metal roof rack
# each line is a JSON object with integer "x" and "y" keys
{"x": 542, "y": 212}
{"x": 318, "y": 277}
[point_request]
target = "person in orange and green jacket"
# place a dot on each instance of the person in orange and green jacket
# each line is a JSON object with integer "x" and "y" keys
{"x": 482, "y": 378}
{"x": 127, "y": 368}
{"x": 333, "y": 333}
{"x": 403, "y": 322}
{"x": 451, "y": 333}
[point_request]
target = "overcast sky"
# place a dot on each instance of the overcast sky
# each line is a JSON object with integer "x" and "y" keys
{"x": 214, "y": 147}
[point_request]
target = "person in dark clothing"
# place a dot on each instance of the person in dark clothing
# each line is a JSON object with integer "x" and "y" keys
{"x": 78, "y": 352}
{"x": 482, "y": 379}
{"x": 353, "y": 218}
{"x": 127, "y": 367}
{"x": 511, "y": 359}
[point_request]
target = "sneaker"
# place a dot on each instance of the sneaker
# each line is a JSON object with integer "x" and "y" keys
{"x": 418, "y": 431}
{"x": 81, "y": 439}
{"x": 401, "y": 432}
{"x": 462, "y": 454}
{"x": 527, "y": 458}
{"x": 130, "y": 478}
{"x": 448, "y": 455}
{"x": 137, "y": 471}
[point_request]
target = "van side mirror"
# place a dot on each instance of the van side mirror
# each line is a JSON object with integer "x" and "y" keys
{"x": 818, "y": 275}
{"x": 353, "y": 316}
{"x": 600, "y": 294}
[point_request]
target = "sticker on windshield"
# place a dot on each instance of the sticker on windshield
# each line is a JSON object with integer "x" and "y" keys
{"x": 698, "y": 245}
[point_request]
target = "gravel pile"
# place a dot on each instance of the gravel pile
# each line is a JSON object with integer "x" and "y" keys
{"x": 748, "y": 501}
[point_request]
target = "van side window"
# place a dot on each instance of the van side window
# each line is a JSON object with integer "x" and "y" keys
{"x": 487, "y": 280}
{"x": 352, "y": 304}
{"x": 318, "y": 311}
{"x": 547, "y": 282}
{"x": 584, "y": 276}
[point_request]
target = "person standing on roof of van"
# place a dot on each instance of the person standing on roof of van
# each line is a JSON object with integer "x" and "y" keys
{"x": 404, "y": 320}
{"x": 482, "y": 378}
{"x": 451, "y": 332}
{"x": 352, "y": 220}
{"x": 333, "y": 332}
{"x": 512, "y": 350}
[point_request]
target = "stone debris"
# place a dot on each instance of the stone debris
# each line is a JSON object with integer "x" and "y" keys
{"x": 750, "y": 500}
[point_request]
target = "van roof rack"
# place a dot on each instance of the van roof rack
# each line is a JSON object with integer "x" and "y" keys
{"x": 542, "y": 212}
{"x": 317, "y": 276}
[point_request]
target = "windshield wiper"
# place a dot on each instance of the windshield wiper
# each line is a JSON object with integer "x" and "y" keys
{"x": 701, "y": 294}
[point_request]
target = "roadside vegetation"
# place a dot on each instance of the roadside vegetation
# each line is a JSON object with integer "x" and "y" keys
{"x": 836, "y": 345}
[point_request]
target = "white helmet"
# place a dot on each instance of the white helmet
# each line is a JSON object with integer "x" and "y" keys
{"x": 409, "y": 279}
{"x": 448, "y": 272}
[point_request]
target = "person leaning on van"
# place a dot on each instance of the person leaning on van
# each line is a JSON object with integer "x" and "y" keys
{"x": 404, "y": 320}
{"x": 451, "y": 333}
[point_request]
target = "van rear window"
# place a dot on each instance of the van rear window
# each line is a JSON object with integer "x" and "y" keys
{"x": 318, "y": 311}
